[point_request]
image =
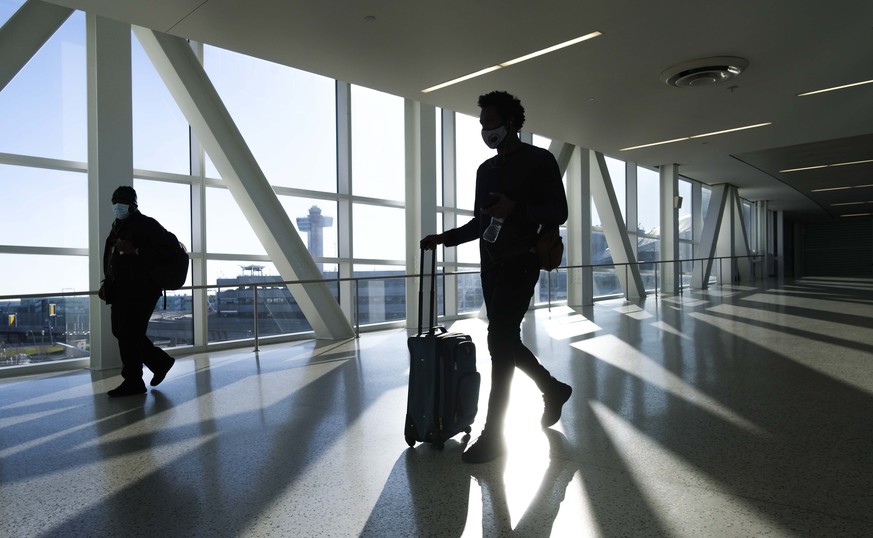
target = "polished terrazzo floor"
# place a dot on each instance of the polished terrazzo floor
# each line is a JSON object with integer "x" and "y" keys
{"x": 741, "y": 411}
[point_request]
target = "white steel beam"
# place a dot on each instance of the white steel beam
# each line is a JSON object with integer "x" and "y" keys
{"x": 198, "y": 100}
{"x": 614, "y": 228}
{"x": 709, "y": 236}
{"x": 25, "y": 33}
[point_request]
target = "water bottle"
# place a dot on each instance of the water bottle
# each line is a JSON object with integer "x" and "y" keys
{"x": 492, "y": 230}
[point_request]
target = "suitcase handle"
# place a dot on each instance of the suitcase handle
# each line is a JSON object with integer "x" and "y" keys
{"x": 431, "y": 327}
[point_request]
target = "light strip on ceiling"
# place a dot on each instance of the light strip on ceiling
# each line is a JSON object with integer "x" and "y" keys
{"x": 824, "y": 166}
{"x": 714, "y": 133}
{"x": 851, "y": 203}
{"x": 520, "y": 59}
{"x": 843, "y": 87}
{"x": 857, "y": 215}
{"x": 841, "y": 188}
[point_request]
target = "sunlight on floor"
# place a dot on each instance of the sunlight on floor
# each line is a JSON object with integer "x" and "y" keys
{"x": 838, "y": 362}
{"x": 614, "y": 351}
{"x": 658, "y": 472}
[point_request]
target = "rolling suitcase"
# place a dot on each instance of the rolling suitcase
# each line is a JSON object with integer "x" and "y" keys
{"x": 443, "y": 382}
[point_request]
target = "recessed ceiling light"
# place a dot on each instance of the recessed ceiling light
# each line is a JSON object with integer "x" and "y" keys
{"x": 844, "y": 86}
{"x": 824, "y": 166}
{"x": 698, "y": 136}
{"x": 520, "y": 59}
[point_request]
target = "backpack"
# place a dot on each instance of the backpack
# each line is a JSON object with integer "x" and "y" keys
{"x": 550, "y": 248}
{"x": 171, "y": 273}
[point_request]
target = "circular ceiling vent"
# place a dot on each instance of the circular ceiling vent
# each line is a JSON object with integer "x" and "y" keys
{"x": 704, "y": 72}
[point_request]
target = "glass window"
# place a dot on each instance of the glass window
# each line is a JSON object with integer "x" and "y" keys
{"x": 378, "y": 232}
{"x": 315, "y": 221}
{"x": 169, "y": 204}
{"x": 286, "y": 116}
{"x": 378, "y": 146}
{"x": 44, "y": 329}
{"x": 227, "y": 229}
{"x": 44, "y": 107}
{"x": 8, "y": 8}
{"x": 46, "y": 208}
{"x": 685, "y": 212}
{"x": 381, "y": 299}
{"x": 232, "y": 306}
{"x": 26, "y": 273}
{"x": 160, "y": 131}
{"x": 648, "y": 201}
{"x": 705, "y": 197}
{"x": 470, "y": 152}
{"x": 618, "y": 175}
{"x": 470, "y": 298}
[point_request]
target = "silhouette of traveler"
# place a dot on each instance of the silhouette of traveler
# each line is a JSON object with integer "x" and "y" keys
{"x": 517, "y": 191}
{"x": 135, "y": 244}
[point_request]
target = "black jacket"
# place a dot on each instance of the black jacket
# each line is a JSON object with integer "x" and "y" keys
{"x": 531, "y": 178}
{"x": 128, "y": 275}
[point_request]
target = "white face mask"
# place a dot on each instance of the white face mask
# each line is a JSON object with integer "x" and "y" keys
{"x": 493, "y": 137}
{"x": 121, "y": 211}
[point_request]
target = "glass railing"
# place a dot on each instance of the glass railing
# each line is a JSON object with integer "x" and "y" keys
{"x": 39, "y": 328}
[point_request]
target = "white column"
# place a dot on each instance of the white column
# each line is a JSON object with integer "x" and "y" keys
{"x": 421, "y": 190}
{"x": 450, "y": 219}
{"x": 670, "y": 272}
{"x": 25, "y": 33}
{"x": 200, "y": 103}
{"x": 580, "y": 282}
{"x": 345, "y": 218}
{"x": 614, "y": 228}
{"x": 110, "y": 160}
{"x": 199, "y": 276}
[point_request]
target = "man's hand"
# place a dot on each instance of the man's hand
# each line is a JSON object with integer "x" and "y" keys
{"x": 430, "y": 242}
{"x": 502, "y": 208}
{"x": 125, "y": 246}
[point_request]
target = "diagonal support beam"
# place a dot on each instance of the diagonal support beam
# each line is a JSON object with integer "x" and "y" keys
{"x": 709, "y": 237}
{"x": 25, "y": 33}
{"x": 614, "y": 228}
{"x": 198, "y": 100}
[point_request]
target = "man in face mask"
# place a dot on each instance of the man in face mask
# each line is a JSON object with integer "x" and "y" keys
{"x": 134, "y": 244}
{"x": 517, "y": 191}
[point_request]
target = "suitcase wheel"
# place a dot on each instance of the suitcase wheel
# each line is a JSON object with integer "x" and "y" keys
{"x": 410, "y": 441}
{"x": 468, "y": 429}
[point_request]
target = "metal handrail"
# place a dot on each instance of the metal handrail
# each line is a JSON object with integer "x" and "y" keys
{"x": 384, "y": 277}
{"x": 357, "y": 279}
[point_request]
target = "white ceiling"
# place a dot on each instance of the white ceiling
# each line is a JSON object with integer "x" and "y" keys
{"x": 604, "y": 94}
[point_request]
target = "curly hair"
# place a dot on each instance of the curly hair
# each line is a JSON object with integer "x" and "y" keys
{"x": 507, "y": 105}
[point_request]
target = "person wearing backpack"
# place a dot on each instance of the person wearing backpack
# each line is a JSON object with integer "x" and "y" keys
{"x": 135, "y": 245}
{"x": 519, "y": 199}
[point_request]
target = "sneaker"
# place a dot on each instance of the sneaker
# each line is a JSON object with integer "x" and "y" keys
{"x": 486, "y": 448}
{"x": 554, "y": 400}
{"x": 127, "y": 389}
{"x": 161, "y": 373}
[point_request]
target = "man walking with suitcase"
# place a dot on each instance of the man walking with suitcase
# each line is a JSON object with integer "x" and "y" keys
{"x": 517, "y": 191}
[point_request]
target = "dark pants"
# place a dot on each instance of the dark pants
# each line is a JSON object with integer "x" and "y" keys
{"x": 508, "y": 288}
{"x": 130, "y": 321}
